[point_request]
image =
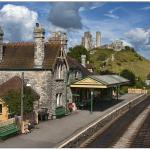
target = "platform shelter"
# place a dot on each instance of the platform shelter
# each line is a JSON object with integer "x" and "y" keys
{"x": 95, "y": 88}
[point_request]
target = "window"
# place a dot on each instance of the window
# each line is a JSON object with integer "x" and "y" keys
{"x": 76, "y": 75}
{"x": 60, "y": 71}
{"x": 59, "y": 99}
{"x": 0, "y": 108}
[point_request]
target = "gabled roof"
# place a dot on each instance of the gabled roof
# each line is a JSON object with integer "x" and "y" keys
{"x": 100, "y": 81}
{"x": 14, "y": 84}
{"x": 21, "y": 55}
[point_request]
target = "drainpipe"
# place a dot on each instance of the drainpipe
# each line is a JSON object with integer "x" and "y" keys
{"x": 66, "y": 85}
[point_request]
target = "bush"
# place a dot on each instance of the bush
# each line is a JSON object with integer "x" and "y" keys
{"x": 123, "y": 90}
{"x": 128, "y": 75}
{"x": 139, "y": 83}
{"x": 13, "y": 100}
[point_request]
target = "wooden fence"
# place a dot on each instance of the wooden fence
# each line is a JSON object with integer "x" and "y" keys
{"x": 137, "y": 91}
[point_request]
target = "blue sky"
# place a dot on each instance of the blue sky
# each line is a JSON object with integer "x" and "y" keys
{"x": 128, "y": 21}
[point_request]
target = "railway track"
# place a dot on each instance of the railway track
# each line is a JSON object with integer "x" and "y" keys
{"x": 116, "y": 130}
{"x": 142, "y": 138}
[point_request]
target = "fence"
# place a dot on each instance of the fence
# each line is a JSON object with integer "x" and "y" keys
{"x": 137, "y": 91}
{"x": 9, "y": 121}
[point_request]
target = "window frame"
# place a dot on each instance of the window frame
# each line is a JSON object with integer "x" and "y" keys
{"x": 59, "y": 99}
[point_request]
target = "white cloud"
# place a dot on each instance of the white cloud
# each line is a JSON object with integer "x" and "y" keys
{"x": 140, "y": 39}
{"x": 138, "y": 35}
{"x": 126, "y": 43}
{"x": 111, "y": 13}
{"x": 112, "y": 16}
{"x": 17, "y": 22}
{"x": 146, "y": 8}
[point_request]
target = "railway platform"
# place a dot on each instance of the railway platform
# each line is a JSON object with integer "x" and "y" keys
{"x": 53, "y": 132}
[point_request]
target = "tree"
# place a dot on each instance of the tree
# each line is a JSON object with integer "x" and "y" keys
{"x": 148, "y": 76}
{"x": 129, "y": 75}
{"x": 13, "y": 100}
{"x": 129, "y": 48}
{"x": 77, "y": 51}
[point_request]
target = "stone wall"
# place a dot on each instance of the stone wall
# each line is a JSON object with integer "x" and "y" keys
{"x": 59, "y": 86}
{"x": 47, "y": 85}
{"x": 40, "y": 81}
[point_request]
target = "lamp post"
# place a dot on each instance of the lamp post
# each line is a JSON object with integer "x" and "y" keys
{"x": 22, "y": 94}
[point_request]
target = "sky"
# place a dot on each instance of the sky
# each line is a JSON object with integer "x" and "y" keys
{"x": 128, "y": 21}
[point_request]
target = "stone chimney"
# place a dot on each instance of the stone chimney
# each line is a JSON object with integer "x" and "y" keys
{"x": 83, "y": 60}
{"x": 39, "y": 35}
{"x": 1, "y": 44}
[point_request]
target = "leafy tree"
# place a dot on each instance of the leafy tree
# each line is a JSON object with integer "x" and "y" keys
{"x": 106, "y": 72}
{"x": 129, "y": 75}
{"x": 77, "y": 51}
{"x": 13, "y": 100}
{"x": 129, "y": 48}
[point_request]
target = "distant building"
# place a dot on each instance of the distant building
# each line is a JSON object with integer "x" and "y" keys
{"x": 116, "y": 45}
{"x": 98, "y": 39}
{"x": 88, "y": 41}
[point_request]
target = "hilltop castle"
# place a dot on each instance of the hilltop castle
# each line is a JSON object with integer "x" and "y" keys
{"x": 88, "y": 41}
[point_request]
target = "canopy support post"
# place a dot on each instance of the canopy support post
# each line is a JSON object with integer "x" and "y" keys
{"x": 91, "y": 101}
{"x": 117, "y": 92}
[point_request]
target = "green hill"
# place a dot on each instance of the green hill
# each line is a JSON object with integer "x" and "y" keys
{"x": 102, "y": 60}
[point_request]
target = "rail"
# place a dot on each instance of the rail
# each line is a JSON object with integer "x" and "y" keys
{"x": 80, "y": 137}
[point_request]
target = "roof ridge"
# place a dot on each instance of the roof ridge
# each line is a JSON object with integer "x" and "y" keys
{"x": 19, "y": 44}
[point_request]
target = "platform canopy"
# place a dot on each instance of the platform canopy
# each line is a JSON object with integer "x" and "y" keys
{"x": 100, "y": 81}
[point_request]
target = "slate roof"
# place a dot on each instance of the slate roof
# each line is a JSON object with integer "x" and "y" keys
{"x": 110, "y": 79}
{"x": 74, "y": 64}
{"x": 21, "y": 55}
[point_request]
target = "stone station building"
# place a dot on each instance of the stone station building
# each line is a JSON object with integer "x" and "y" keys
{"x": 45, "y": 65}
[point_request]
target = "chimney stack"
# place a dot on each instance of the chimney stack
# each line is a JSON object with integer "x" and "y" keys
{"x": 83, "y": 60}
{"x": 39, "y": 35}
{"x": 1, "y": 44}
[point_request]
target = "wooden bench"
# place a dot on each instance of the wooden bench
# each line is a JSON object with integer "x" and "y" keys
{"x": 8, "y": 130}
{"x": 60, "y": 111}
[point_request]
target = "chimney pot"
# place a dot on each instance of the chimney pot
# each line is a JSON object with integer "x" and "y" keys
{"x": 83, "y": 60}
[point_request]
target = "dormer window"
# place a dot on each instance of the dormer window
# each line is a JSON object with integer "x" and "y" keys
{"x": 76, "y": 75}
{"x": 60, "y": 71}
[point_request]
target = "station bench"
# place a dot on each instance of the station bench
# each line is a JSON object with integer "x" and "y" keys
{"x": 60, "y": 112}
{"x": 8, "y": 131}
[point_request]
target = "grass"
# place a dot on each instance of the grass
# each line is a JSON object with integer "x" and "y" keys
{"x": 125, "y": 59}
